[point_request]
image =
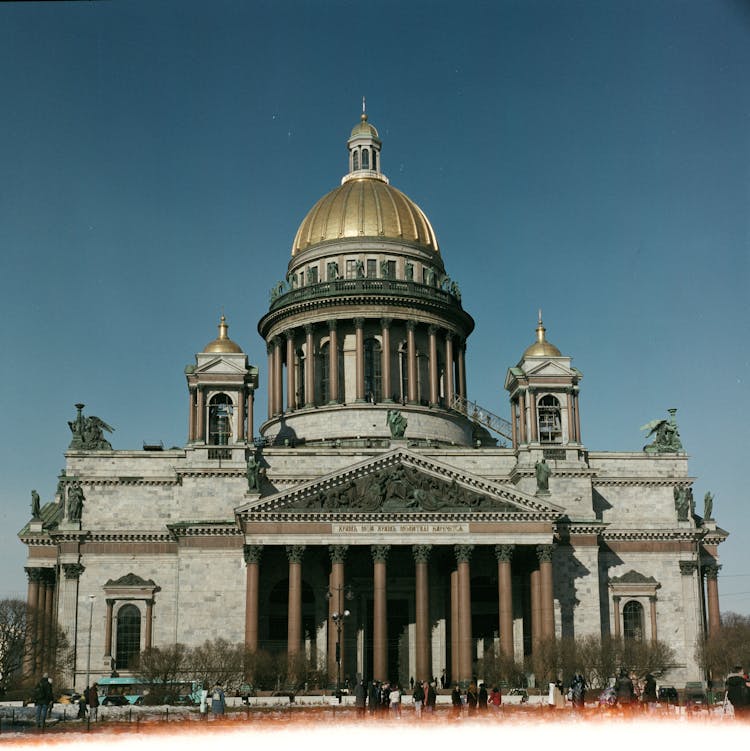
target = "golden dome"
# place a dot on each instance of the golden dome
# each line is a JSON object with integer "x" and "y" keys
{"x": 223, "y": 343}
{"x": 363, "y": 128}
{"x": 541, "y": 347}
{"x": 365, "y": 207}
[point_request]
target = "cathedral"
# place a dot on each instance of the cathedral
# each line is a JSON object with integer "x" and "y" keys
{"x": 379, "y": 523}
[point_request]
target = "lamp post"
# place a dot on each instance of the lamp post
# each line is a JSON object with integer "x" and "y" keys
{"x": 338, "y": 616}
{"x": 88, "y": 656}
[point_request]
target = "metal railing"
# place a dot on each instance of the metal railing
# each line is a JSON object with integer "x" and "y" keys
{"x": 483, "y": 417}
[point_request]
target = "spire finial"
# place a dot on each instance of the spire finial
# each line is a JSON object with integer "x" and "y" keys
{"x": 540, "y": 328}
{"x": 364, "y": 110}
{"x": 223, "y": 327}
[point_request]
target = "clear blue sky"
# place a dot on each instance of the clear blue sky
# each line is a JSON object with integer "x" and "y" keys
{"x": 590, "y": 158}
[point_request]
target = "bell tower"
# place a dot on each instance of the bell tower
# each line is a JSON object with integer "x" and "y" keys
{"x": 543, "y": 390}
{"x": 222, "y": 388}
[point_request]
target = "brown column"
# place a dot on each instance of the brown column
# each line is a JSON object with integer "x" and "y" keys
{"x": 616, "y": 605}
{"x": 463, "y": 555}
{"x": 434, "y": 385}
{"x": 252, "y": 554}
{"x": 547, "y": 594}
{"x": 49, "y": 620}
{"x": 294, "y": 622}
{"x": 250, "y": 414}
{"x": 513, "y": 428}
{"x": 200, "y": 417}
{"x": 148, "y": 636}
{"x": 578, "y": 416}
{"x": 309, "y": 366}
{"x": 336, "y": 604}
{"x": 422, "y": 611}
{"x": 240, "y": 434}
{"x": 454, "y": 627}
{"x": 380, "y": 613}
{"x": 411, "y": 361}
{"x": 359, "y": 345}
{"x": 270, "y": 378}
{"x": 504, "y": 554}
{"x": 571, "y": 418}
{"x": 191, "y": 414}
{"x": 385, "y": 355}
{"x": 278, "y": 378}
{"x": 108, "y": 629}
{"x": 333, "y": 363}
{"x": 449, "y": 389}
{"x": 30, "y": 645}
{"x": 652, "y": 612}
{"x": 536, "y": 610}
{"x": 462, "y": 369}
{"x": 40, "y": 598}
{"x": 712, "y": 595}
{"x": 532, "y": 416}
{"x": 291, "y": 387}
{"x": 522, "y": 416}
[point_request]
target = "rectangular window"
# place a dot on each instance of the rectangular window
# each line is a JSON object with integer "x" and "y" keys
{"x": 372, "y": 268}
{"x": 312, "y": 275}
{"x": 351, "y": 269}
{"x": 390, "y": 269}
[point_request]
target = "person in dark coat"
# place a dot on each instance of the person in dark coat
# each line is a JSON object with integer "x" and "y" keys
{"x": 373, "y": 696}
{"x": 42, "y": 699}
{"x": 482, "y": 697}
{"x": 456, "y": 700}
{"x": 93, "y": 701}
{"x": 738, "y": 692}
{"x": 360, "y": 698}
{"x": 624, "y": 690}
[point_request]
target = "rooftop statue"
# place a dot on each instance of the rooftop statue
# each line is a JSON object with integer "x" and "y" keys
{"x": 35, "y": 505}
{"x": 542, "y": 471}
{"x": 88, "y": 432}
{"x": 397, "y": 423}
{"x": 75, "y": 502}
{"x": 253, "y": 473}
{"x": 666, "y": 435}
{"x": 708, "y": 506}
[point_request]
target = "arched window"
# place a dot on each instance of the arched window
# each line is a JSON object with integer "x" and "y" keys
{"x": 219, "y": 420}
{"x": 550, "y": 424}
{"x": 365, "y": 159}
{"x": 632, "y": 620}
{"x": 375, "y": 160}
{"x": 355, "y": 161}
{"x": 128, "y": 637}
{"x": 373, "y": 380}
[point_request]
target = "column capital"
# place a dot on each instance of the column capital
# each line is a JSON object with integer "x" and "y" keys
{"x": 289, "y": 333}
{"x": 411, "y": 325}
{"x": 276, "y": 341}
{"x": 688, "y": 568}
{"x": 332, "y": 324}
{"x": 544, "y": 553}
{"x": 338, "y": 553}
{"x": 616, "y": 599}
{"x": 110, "y": 602}
{"x": 359, "y": 323}
{"x": 252, "y": 553}
{"x": 504, "y": 553}
{"x": 309, "y": 328}
{"x": 269, "y": 347}
{"x": 73, "y": 570}
{"x": 421, "y": 553}
{"x": 463, "y": 553}
{"x": 295, "y": 553}
{"x": 34, "y": 574}
{"x": 450, "y": 335}
{"x": 385, "y": 323}
{"x": 712, "y": 570}
{"x": 432, "y": 329}
{"x": 380, "y": 553}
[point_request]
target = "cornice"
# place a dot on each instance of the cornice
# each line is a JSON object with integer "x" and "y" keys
{"x": 390, "y": 517}
{"x": 672, "y": 535}
{"x": 129, "y": 536}
{"x": 205, "y": 529}
{"x": 643, "y": 481}
{"x": 518, "y": 472}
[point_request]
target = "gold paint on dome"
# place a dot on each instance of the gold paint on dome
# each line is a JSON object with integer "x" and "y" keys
{"x": 223, "y": 343}
{"x": 365, "y": 207}
{"x": 541, "y": 347}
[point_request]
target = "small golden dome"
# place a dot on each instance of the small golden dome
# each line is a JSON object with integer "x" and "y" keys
{"x": 363, "y": 128}
{"x": 365, "y": 207}
{"x": 541, "y": 347}
{"x": 223, "y": 343}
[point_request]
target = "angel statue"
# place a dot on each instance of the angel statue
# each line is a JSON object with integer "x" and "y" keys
{"x": 88, "y": 432}
{"x": 666, "y": 435}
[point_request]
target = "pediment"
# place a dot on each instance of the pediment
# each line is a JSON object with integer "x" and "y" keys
{"x": 402, "y": 481}
{"x": 222, "y": 366}
{"x": 549, "y": 368}
{"x": 130, "y": 580}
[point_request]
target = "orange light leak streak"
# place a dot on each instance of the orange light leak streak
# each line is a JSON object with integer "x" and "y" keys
{"x": 590, "y": 733}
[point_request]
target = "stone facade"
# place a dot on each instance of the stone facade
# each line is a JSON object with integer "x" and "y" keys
{"x": 456, "y": 532}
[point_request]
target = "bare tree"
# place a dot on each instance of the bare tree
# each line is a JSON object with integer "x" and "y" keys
{"x": 217, "y": 661}
{"x": 13, "y": 619}
{"x": 162, "y": 669}
{"x": 728, "y": 647}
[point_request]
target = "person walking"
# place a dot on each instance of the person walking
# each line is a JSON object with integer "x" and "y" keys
{"x": 218, "y": 700}
{"x": 42, "y": 699}
{"x": 456, "y": 702}
{"x": 430, "y": 697}
{"x": 395, "y": 700}
{"x": 418, "y": 697}
{"x": 92, "y": 699}
{"x": 482, "y": 698}
{"x": 624, "y": 691}
{"x": 360, "y": 697}
{"x": 496, "y": 698}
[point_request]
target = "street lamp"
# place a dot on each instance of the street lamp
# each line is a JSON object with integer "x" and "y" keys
{"x": 338, "y": 616}
{"x": 88, "y": 656}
